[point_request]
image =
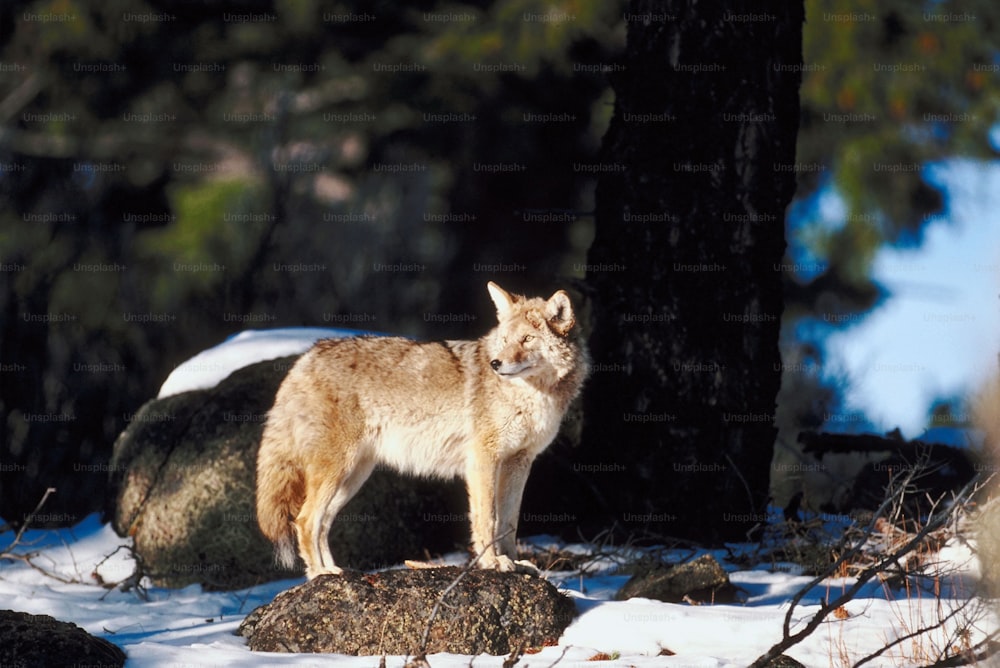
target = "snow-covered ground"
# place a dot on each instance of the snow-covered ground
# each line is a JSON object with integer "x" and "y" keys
{"x": 191, "y": 627}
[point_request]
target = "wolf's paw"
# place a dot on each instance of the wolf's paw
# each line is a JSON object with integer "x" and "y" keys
{"x": 505, "y": 564}
{"x": 313, "y": 573}
{"x": 496, "y": 562}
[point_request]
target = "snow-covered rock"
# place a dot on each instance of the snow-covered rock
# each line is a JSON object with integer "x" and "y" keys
{"x": 208, "y": 367}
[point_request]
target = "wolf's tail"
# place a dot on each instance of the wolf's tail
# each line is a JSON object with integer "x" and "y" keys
{"x": 280, "y": 493}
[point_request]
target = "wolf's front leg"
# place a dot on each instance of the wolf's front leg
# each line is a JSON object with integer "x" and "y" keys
{"x": 513, "y": 476}
{"x": 481, "y": 480}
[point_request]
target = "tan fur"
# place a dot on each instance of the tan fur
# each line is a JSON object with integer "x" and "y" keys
{"x": 480, "y": 409}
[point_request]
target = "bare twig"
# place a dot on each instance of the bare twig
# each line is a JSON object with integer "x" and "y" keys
{"x": 133, "y": 581}
{"x": 561, "y": 656}
{"x": 890, "y": 507}
{"x": 845, "y": 556}
{"x": 6, "y": 552}
{"x": 26, "y": 558}
{"x": 914, "y": 634}
{"x": 981, "y": 651}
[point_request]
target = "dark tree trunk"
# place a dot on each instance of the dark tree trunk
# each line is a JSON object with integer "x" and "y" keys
{"x": 697, "y": 170}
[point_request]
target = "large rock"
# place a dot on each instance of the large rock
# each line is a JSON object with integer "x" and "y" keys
{"x": 699, "y": 581}
{"x": 185, "y": 471}
{"x": 387, "y": 613}
{"x": 40, "y": 640}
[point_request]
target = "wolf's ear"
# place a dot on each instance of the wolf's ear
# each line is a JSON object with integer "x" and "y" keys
{"x": 559, "y": 313}
{"x": 501, "y": 299}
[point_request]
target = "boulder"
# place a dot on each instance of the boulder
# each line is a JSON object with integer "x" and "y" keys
{"x": 185, "y": 470}
{"x": 480, "y": 612}
{"x": 40, "y": 640}
{"x": 699, "y": 581}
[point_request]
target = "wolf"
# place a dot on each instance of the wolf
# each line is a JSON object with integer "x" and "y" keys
{"x": 481, "y": 409}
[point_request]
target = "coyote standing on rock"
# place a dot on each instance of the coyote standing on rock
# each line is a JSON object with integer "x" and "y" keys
{"x": 480, "y": 409}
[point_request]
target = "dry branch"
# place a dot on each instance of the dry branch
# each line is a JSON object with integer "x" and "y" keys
{"x": 890, "y": 509}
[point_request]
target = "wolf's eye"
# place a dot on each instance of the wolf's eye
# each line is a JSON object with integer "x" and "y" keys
{"x": 527, "y": 337}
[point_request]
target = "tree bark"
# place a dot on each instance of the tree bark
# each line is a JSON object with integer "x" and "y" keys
{"x": 697, "y": 170}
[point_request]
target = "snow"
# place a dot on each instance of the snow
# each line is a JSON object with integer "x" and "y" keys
{"x": 208, "y": 367}
{"x": 195, "y": 628}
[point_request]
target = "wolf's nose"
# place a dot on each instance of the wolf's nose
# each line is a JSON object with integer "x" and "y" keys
{"x": 495, "y": 364}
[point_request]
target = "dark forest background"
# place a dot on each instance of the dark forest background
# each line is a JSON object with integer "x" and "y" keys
{"x": 174, "y": 172}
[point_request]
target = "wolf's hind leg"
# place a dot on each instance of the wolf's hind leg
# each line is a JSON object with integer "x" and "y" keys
{"x": 335, "y": 502}
{"x": 313, "y": 542}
